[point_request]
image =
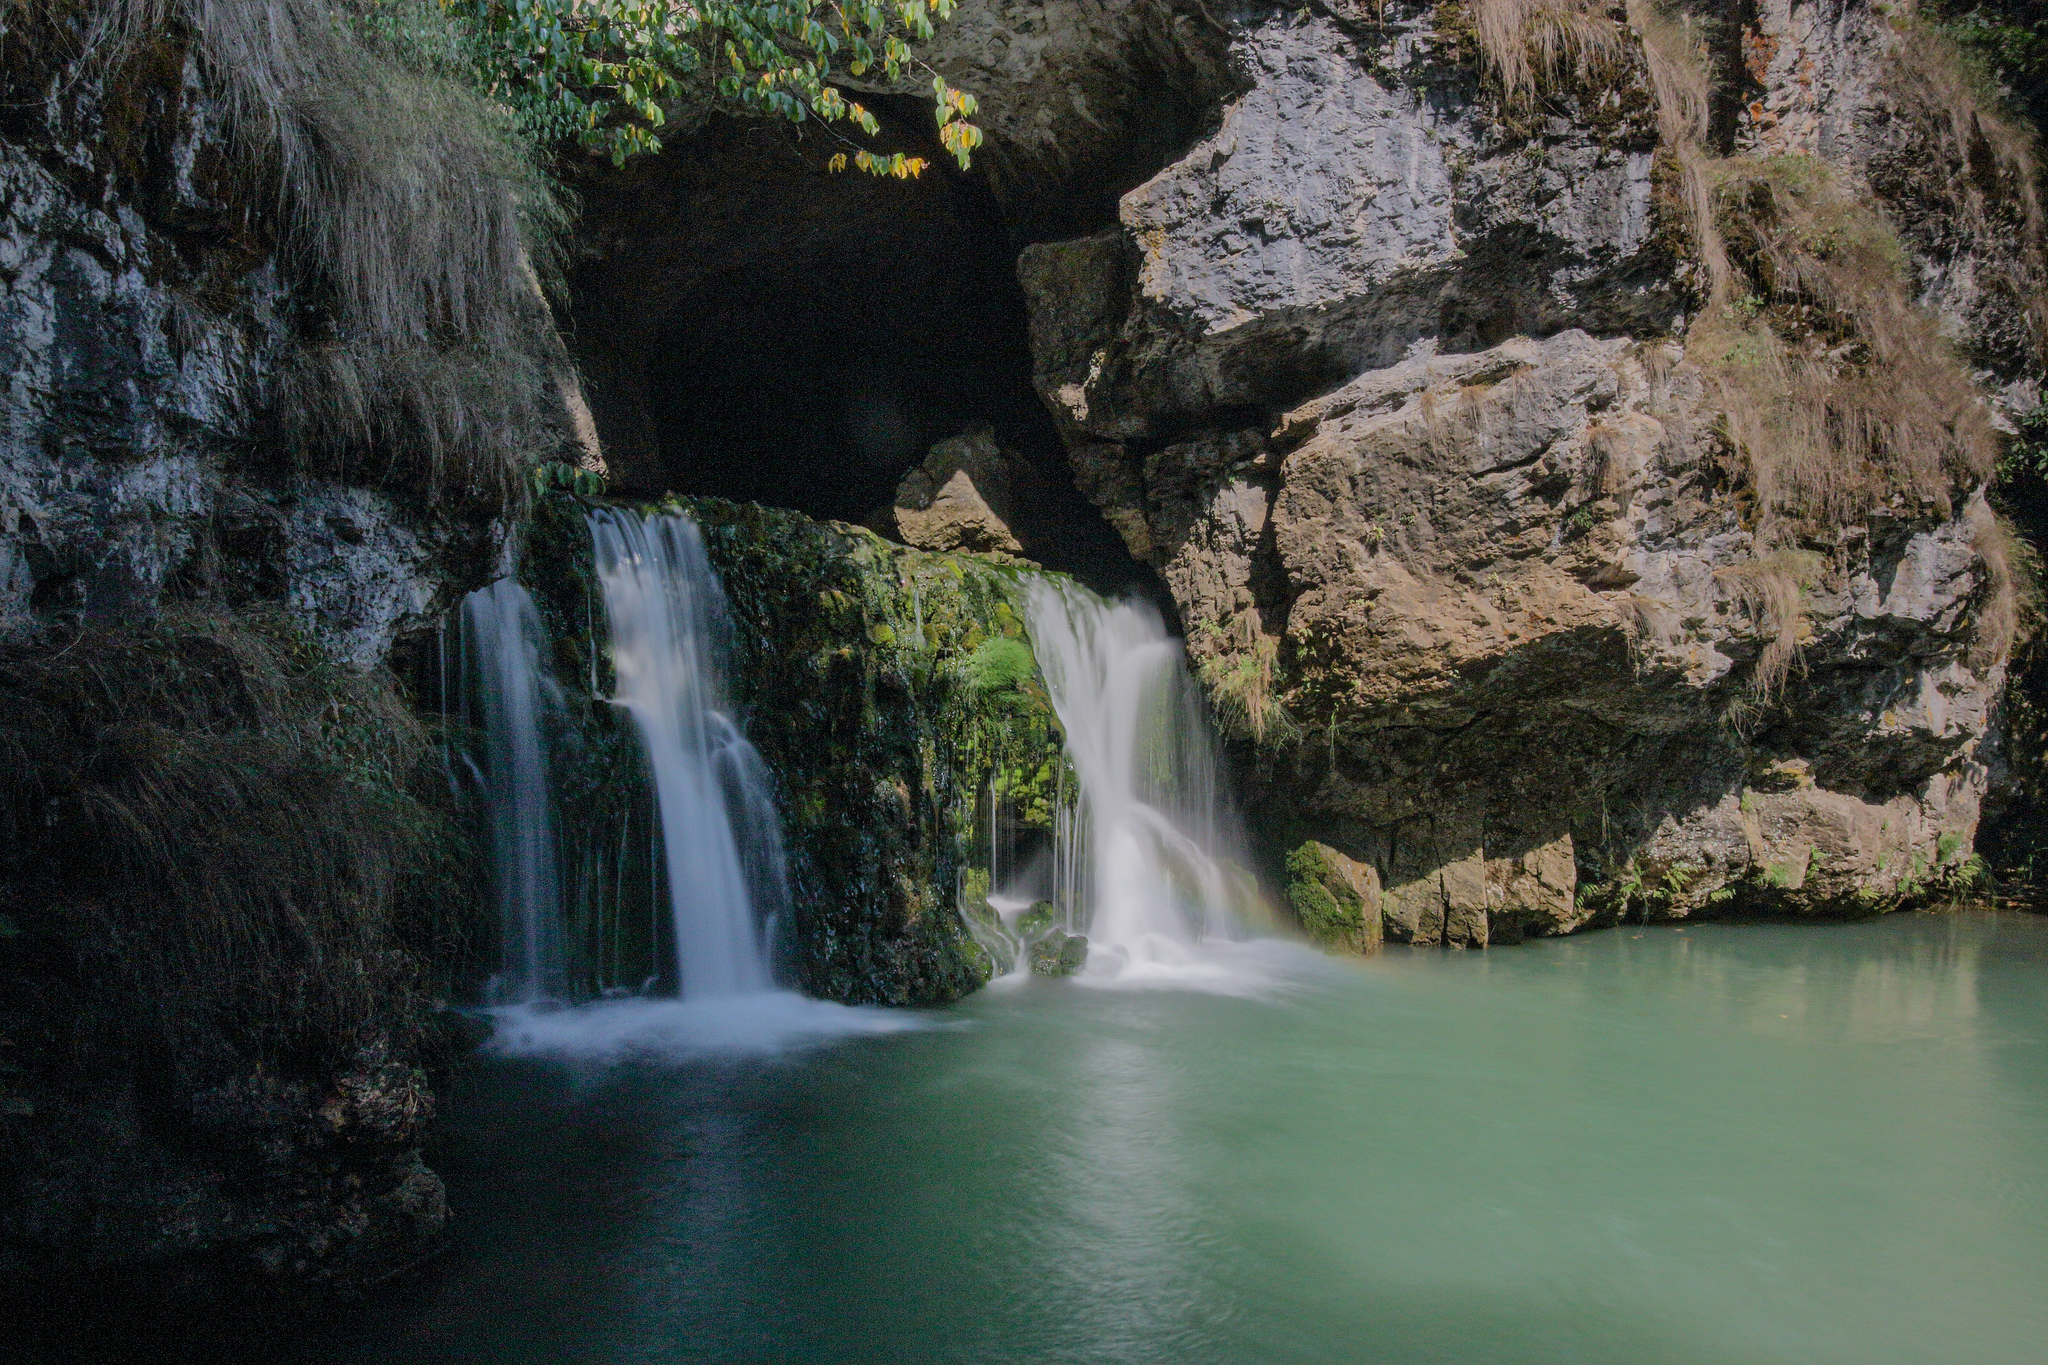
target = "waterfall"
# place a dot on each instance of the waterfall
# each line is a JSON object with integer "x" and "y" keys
{"x": 1154, "y": 851}
{"x": 501, "y": 632}
{"x": 719, "y": 830}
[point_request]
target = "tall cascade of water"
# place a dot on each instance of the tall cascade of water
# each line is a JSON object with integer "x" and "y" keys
{"x": 1157, "y": 849}
{"x": 722, "y": 840}
{"x": 501, "y": 633}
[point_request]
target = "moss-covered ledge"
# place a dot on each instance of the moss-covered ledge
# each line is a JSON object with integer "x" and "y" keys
{"x": 883, "y": 686}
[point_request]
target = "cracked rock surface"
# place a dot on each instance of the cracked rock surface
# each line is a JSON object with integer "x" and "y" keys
{"x": 1390, "y": 387}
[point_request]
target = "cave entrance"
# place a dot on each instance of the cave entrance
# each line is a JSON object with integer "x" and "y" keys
{"x": 753, "y": 327}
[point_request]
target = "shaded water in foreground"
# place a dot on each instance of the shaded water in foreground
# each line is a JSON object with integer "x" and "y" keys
{"x": 1723, "y": 1145}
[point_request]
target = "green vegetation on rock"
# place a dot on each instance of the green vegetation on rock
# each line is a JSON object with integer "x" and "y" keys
{"x": 1335, "y": 910}
{"x": 887, "y": 689}
{"x": 607, "y": 74}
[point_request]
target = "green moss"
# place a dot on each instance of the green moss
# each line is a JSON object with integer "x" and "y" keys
{"x": 886, "y": 688}
{"x": 1329, "y": 907}
{"x": 1059, "y": 953}
{"x": 1000, "y": 664}
{"x": 1042, "y": 916}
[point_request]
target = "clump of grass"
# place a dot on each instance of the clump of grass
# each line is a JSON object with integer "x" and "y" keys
{"x": 1840, "y": 394}
{"x": 1773, "y": 589}
{"x": 416, "y": 220}
{"x": 213, "y": 826}
{"x": 1239, "y": 667}
{"x": 1682, "y": 88}
{"x": 1528, "y": 44}
{"x": 2009, "y": 609}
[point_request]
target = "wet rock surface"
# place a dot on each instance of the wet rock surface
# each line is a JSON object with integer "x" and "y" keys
{"x": 1059, "y": 953}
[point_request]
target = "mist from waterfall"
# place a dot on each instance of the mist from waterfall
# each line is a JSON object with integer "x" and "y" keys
{"x": 720, "y": 832}
{"x": 501, "y": 642}
{"x": 1156, "y": 851}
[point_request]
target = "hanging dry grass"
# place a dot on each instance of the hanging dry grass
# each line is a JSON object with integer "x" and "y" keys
{"x": 223, "y": 833}
{"x": 1841, "y": 395}
{"x": 1528, "y": 44}
{"x": 1679, "y": 81}
{"x": 2010, "y": 609}
{"x": 413, "y": 215}
{"x": 457, "y": 423}
{"x": 1240, "y": 673}
{"x": 1773, "y": 590}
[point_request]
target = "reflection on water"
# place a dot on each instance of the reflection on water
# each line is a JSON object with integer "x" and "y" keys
{"x": 1711, "y": 1145}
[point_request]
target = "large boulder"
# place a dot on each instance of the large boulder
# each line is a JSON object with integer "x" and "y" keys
{"x": 962, "y": 497}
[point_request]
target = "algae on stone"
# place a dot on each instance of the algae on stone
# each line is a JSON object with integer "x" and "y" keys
{"x": 1336, "y": 898}
{"x": 893, "y": 696}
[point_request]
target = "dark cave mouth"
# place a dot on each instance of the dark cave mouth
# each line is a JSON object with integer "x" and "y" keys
{"x": 813, "y": 361}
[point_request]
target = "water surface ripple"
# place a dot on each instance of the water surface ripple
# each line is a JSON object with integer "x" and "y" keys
{"x": 1703, "y": 1146}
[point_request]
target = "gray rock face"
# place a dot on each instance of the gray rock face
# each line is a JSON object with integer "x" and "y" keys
{"x": 126, "y": 428}
{"x": 1387, "y": 384}
{"x": 1355, "y": 200}
{"x": 1325, "y": 187}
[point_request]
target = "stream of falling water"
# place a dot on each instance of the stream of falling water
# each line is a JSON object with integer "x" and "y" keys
{"x": 1157, "y": 855}
{"x": 721, "y": 836}
{"x": 719, "y": 828}
{"x": 503, "y": 634}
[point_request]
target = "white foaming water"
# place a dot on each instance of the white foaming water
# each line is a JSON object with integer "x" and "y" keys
{"x": 719, "y": 828}
{"x": 1162, "y": 889}
{"x": 503, "y": 635}
{"x": 763, "y": 1024}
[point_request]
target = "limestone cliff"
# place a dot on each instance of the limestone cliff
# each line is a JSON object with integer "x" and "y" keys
{"x": 1407, "y": 378}
{"x": 1562, "y": 429}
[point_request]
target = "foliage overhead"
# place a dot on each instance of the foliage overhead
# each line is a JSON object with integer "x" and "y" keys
{"x": 2010, "y": 39}
{"x": 606, "y": 73}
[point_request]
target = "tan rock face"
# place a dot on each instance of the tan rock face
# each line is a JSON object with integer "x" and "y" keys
{"x": 960, "y": 498}
{"x": 1454, "y": 533}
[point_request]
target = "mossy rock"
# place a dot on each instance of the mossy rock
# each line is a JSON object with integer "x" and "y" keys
{"x": 1335, "y": 898}
{"x": 1042, "y": 916}
{"x": 1059, "y": 953}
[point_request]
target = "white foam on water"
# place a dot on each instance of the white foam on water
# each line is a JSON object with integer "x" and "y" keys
{"x": 760, "y": 1024}
{"x": 1251, "y": 968}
